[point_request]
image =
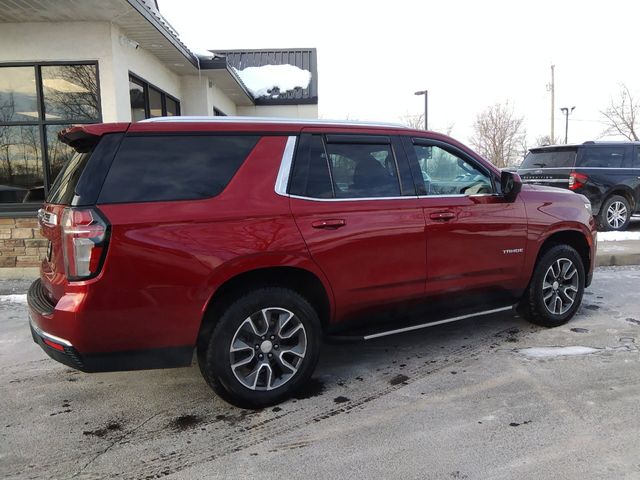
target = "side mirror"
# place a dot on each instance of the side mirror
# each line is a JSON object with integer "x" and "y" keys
{"x": 510, "y": 185}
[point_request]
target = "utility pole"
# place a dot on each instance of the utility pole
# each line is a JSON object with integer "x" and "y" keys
{"x": 426, "y": 107}
{"x": 566, "y": 112}
{"x": 552, "y": 87}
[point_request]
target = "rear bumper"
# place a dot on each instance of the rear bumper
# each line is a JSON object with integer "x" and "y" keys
{"x": 43, "y": 318}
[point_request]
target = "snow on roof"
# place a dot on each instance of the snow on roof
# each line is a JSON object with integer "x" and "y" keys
{"x": 272, "y": 80}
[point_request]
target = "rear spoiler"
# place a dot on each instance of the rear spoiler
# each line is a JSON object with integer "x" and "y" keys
{"x": 83, "y": 137}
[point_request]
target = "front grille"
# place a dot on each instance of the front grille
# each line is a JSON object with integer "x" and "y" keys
{"x": 38, "y": 300}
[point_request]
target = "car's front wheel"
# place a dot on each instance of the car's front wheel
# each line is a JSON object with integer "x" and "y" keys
{"x": 556, "y": 288}
{"x": 263, "y": 348}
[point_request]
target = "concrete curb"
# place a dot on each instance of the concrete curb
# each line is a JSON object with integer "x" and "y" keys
{"x": 618, "y": 253}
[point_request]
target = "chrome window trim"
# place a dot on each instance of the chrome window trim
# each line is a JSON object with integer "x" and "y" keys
{"x": 282, "y": 180}
{"x": 355, "y": 199}
{"x": 545, "y": 180}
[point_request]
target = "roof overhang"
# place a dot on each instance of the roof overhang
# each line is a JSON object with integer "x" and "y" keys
{"x": 136, "y": 19}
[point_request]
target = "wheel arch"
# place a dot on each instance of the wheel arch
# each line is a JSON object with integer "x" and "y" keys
{"x": 575, "y": 239}
{"x": 301, "y": 280}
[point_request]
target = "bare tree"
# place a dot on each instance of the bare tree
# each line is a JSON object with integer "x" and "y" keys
{"x": 623, "y": 115}
{"x": 499, "y": 135}
{"x": 547, "y": 140}
{"x": 413, "y": 121}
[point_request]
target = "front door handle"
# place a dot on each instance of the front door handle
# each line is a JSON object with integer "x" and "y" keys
{"x": 442, "y": 216}
{"x": 329, "y": 224}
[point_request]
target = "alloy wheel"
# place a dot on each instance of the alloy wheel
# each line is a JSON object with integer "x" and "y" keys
{"x": 268, "y": 348}
{"x": 616, "y": 215}
{"x": 560, "y": 286}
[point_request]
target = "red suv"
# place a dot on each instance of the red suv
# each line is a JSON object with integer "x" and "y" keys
{"x": 248, "y": 241}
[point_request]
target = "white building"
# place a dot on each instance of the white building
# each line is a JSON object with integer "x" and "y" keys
{"x": 66, "y": 62}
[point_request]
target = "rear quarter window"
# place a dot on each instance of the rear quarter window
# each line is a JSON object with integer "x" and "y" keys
{"x": 602, "y": 157}
{"x": 174, "y": 167}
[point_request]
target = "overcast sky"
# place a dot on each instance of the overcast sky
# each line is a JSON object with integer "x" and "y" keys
{"x": 373, "y": 56}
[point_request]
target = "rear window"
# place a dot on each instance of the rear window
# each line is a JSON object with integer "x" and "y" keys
{"x": 602, "y": 157}
{"x": 177, "y": 167}
{"x": 549, "y": 159}
{"x": 64, "y": 186}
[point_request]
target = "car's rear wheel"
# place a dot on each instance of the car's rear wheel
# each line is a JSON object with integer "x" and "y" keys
{"x": 615, "y": 214}
{"x": 264, "y": 347}
{"x": 556, "y": 288}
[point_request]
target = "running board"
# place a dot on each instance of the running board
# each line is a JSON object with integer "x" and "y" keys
{"x": 410, "y": 328}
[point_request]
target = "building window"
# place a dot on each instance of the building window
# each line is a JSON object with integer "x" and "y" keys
{"x": 38, "y": 100}
{"x": 148, "y": 101}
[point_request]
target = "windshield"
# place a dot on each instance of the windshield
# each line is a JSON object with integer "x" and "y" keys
{"x": 549, "y": 159}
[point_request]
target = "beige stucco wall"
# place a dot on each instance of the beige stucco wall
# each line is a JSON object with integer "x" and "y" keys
{"x": 284, "y": 111}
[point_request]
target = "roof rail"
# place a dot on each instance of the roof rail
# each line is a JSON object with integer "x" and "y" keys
{"x": 270, "y": 120}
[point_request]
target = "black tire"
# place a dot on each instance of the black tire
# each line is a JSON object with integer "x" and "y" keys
{"x": 609, "y": 219}
{"x": 533, "y": 305}
{"x": 216, "y": 361}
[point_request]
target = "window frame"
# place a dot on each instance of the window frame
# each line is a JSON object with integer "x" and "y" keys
{"x": 163, "y": 97}
{"x": 41, "y": 123}
{"x": 405, "y": 181}
{"x": 410, "y": 142}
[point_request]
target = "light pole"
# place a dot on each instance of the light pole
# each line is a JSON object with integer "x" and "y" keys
{"x": 426, "y": 107}
{"x": 566, "y": 112}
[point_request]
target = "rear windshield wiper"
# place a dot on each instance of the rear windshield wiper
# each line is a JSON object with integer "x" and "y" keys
{"x": 541, "y": 165}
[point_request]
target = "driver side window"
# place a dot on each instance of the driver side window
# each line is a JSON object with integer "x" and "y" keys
{"x": 447, "y": 174}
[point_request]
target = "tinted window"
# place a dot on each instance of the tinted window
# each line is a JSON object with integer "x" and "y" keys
{"x": 160, "y": 168}
{"x": 549, "y": 158}
{"x": 310, "y": 176}
{"x": 444, "y": 173}
{"x": 362, "y": 171}
{"x": 63, "y": 188}
{"x": 602, "y": 157}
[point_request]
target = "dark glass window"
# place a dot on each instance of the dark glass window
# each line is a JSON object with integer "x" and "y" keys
{"x": 549, "y": 158}
{"x": 172, "y": 107}
{"x": 36, "y": 102}
{"x": 361, "y": 170}
{"x": 63, "y": 189}
{"x": 310, "y": 176}
{"x": 148, "y": 101}
{"x": 162, "y": 168}
{"x": 137, "y": 100}
{"x": 602, "y": 157}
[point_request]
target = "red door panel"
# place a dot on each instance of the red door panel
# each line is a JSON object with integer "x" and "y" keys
{"x": 474, "y": 242}
{"x": 372, "y": 251}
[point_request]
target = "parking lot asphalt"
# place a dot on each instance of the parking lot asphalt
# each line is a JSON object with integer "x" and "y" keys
{"x": 486, "y": 398}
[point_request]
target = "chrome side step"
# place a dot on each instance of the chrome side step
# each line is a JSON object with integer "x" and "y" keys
{"x": 432, "y": 324}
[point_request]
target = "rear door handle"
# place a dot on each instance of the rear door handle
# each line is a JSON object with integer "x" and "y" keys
{"x": 329, "y": 224}
{"x": 443, "y": 216}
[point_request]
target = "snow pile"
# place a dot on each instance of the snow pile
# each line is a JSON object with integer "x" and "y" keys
{"x": 22, "y": 298}
{"x": 545, "y": 352}
{"x": 617, "y": 236}
{"x": 272, "y": 80}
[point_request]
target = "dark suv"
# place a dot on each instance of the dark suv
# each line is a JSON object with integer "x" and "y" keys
{"x": 607, "y": 173}
{"x": 249, "y": 241}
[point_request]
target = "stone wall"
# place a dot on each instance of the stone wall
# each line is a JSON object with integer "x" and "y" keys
{"x": 20, "y": 243}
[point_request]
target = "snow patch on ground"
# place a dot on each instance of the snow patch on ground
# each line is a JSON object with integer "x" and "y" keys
{"x": 21, "y": 298}
{"x": 545, "y": 352}
{"x": 272, "y": 80}
{"x": 617, "y": 236}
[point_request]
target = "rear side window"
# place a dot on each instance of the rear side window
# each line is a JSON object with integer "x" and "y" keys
{"x": 602, "y": 157}
{"x": 549, "y": 158}
{"x": 177, "y": 167}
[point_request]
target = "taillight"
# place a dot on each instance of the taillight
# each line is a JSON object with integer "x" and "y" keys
{"x": 577, "y": 180}
{"x": 84, "y": 242}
